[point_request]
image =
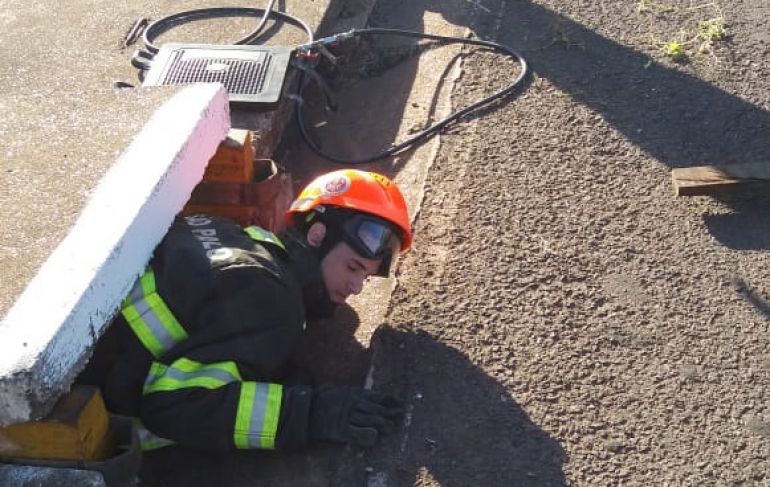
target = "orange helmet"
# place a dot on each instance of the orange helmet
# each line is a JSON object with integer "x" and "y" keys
{"x": 360, "y": 195}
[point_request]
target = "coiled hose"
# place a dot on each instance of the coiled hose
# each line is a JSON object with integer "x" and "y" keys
{"x": 155, "y": 29}
{"x": 436, "y": 127}
{"x": 160, "y": 26}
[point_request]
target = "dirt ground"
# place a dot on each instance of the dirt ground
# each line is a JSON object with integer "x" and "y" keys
{"x": 562, "y": 319}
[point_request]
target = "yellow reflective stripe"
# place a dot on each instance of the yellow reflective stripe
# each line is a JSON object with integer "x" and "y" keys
{"x": 142, "y": 330}
{"x": 149, "y": 440}
{"x": 259, "y": 408}
{"x": 243, "y": 416}
{"x": 185, "y": 373}
{"x": 150, "y": 318}
{"x": 154, "y": 444}
{"x": 166, "y": 317}
{"x": 187, "y": 365}
{"x": 147, "y": 281}
{"x": 272, "y": 414}
{"x": 156, "y": 372}
{"x": 262, "y": 235}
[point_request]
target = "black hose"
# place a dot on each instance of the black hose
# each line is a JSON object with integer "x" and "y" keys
{"x": 160, "y": 26}
{"x": 165, "y": 24}
{"x": 433, "y": 129}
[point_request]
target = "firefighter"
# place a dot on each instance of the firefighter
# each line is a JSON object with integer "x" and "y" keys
{"x": 205, "y": 333}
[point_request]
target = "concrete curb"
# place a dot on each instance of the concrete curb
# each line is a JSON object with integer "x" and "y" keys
{"x": 20, "y": 476}
{"x": 47, "y": 335}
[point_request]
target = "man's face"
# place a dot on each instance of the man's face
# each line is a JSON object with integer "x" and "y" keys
{"x": 344, "y": 272}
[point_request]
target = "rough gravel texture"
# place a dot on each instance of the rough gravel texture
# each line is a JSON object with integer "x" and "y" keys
{"x": 562, "y": 318}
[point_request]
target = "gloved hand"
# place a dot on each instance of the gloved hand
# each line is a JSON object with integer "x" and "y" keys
{"x": 352, "y": 415}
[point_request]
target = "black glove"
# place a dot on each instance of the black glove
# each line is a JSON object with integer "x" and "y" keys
{"x": 352, "y": 415}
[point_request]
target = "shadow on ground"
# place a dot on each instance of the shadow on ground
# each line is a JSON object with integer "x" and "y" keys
{"x": 747, "y": 226}
{"x": 754, "y": 298}
{"x": 464, "y": 427}
{"x": 676, "y": 118}
{"x": 373, "y": 82}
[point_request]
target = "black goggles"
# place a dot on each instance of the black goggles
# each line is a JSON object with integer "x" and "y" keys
{"x": 372, "y": 238}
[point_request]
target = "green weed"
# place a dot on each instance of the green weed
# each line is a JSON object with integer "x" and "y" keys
{"x": 713, "y": 29}
{"x": 645, "y": 6}
{"x": 675, "y": 50}
{"x": 698, "y": 38}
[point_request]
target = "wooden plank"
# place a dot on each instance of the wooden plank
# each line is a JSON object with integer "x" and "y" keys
{"x": 76, "y": 429}
{"x": 706, "y": 180}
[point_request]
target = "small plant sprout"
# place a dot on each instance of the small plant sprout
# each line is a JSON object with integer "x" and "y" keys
{"x": 698, "y": 37}
{"x": 674, "y": 50}
{"x": 646, "y": 6}
{"x": 713, "y": 29}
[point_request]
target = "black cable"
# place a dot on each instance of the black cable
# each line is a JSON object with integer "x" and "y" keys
{"x": 509, "y": 90}
{"x": 162, "y": 25}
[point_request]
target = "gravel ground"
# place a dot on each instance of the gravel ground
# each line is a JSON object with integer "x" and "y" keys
{"x": 562, "y": 318}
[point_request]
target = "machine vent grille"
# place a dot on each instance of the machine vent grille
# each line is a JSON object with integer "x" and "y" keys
{"x": 239, "y": 76}
{"x": 252, "y": 74}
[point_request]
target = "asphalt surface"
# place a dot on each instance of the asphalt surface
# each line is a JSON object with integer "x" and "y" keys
{"x": 562, "y": 318}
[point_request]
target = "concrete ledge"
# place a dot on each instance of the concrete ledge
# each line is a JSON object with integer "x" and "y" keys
{"x": 21, "y": 476}
{"x": 48, "y": 333}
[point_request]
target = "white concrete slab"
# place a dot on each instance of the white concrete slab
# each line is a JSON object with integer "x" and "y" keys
{"x": 26, "y": 476}
{"x": 48, "y": 333}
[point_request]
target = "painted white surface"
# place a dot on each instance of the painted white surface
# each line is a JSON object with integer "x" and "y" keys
{"x": 53, "y": 325}
{"x": 25, "y": 476}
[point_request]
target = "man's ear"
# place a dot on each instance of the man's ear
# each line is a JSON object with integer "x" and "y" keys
{"x": 316, "y": 234}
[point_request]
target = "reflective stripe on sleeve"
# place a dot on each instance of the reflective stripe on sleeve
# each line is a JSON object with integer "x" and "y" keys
{"x": 149, "y": 317}
{"x": 259, "y": 408}
{"x": 149, "y": 440}
{"x": 185, "y": 373}
{"x": 262, "y": 235}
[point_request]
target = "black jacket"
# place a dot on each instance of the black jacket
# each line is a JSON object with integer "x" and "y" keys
{"x": 243, "y": 303}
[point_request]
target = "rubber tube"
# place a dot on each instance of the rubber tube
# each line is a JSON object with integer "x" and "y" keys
{"x": 509, "y": 90}
{"x": 167, "y": 23}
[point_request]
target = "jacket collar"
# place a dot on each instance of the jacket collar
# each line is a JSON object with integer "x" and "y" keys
{"x": 306, "y": 264}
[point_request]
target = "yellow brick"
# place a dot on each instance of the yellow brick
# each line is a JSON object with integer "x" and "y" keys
{"x": 76, "y": 429}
